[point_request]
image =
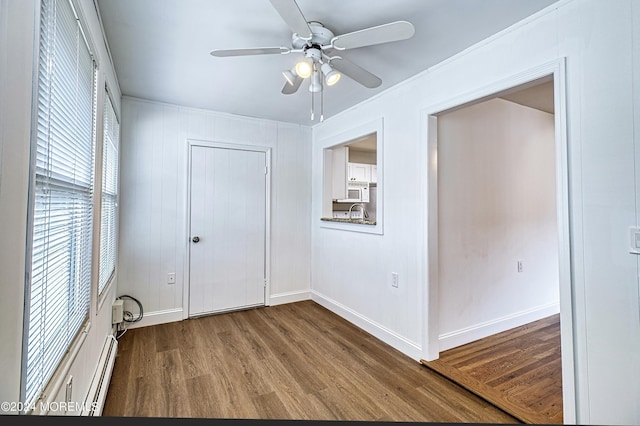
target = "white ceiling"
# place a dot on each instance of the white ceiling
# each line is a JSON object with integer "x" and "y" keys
{"x": 160, "y": 48}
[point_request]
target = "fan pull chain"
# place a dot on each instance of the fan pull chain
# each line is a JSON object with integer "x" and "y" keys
{"x": 322, "y": 105}
{"x": 312, "y": 114}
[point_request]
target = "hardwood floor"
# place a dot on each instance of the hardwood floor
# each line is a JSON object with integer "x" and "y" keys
{"x": 290, "y": 362}
{"x": 519, "y": 370}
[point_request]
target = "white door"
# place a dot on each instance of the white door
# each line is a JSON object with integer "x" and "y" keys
{"x": 228, "y": 229}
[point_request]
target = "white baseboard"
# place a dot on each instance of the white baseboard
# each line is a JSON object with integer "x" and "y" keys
{"x": 177, "y": 314}
{"x": 478, "y": 331}
{"x": 404, "y": 345}
{"x": 290, "y": 297}
{"x": 157, "y": 317}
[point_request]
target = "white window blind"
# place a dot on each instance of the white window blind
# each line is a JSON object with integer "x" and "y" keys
{"x": 60, "y": 280}
{"x": 109, "y": 215}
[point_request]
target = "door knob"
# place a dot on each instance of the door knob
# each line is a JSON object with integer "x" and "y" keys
{"x": 195, "y": 239}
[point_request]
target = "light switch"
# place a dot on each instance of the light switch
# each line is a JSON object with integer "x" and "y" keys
{"x": 634, "y": 240}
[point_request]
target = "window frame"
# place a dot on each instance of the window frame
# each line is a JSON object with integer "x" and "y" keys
{"x": 102, "y": 292}
{"x": 48, "y": 387}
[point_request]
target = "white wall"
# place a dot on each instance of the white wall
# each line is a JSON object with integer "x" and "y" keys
{"x": 153, "y": 201}
{"x": 365, "y": 157}
{"x": 496, "y": 205}
{"x": 18, "y": 20}
{"x": 351, "y": 271}
{"x": 16, "y": 57}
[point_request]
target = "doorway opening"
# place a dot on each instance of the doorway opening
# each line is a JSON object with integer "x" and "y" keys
{"x": 498, "y": 249}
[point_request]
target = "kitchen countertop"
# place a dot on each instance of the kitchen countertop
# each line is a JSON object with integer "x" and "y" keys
{"x": 358, "y": 221}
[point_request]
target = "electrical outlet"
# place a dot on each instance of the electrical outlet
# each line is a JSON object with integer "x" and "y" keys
{"x": 68, "y": 391}
{"x": 171, "y": 278}
{"x": 519, "y": 265}
{"x": 394, "y": 279}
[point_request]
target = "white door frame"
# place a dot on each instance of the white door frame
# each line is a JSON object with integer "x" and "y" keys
{"x": 429, "y": 116}
{"x": 187, "y": 232}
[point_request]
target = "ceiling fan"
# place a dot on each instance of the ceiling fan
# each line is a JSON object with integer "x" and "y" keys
{"x": 321, "y": 49}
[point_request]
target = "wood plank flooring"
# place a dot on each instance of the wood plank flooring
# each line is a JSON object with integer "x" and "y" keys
{"x": 290, "y": 362}
{"x": 519, "y": 370}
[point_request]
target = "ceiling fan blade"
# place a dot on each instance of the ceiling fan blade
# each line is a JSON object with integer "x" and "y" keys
{"x": 393, "y": 31}
{"x": 290, "y": 89}
{"x": 254, "y": 51}
{"x": 293, "y": 17}
{"x": 356, "y": 72}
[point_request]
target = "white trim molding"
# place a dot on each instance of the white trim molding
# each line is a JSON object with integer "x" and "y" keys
{"x": 379, "y": 331}
{"x": 157, "y": 317}
{"x": 488, "y": 328}
{"x": 289, "y": 297}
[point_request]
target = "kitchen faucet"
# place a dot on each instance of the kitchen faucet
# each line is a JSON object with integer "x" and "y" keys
{"x": 364, "y": 212}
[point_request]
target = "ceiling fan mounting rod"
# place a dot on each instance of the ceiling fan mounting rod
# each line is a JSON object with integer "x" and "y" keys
{"x": 312, "y": 46}
{"x": 313, "y": 53}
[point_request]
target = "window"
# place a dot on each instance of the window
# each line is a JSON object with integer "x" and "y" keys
{"x": 352, "y": 180}
{"x": 59, "y": 280}
{"x": 109, "y": 215}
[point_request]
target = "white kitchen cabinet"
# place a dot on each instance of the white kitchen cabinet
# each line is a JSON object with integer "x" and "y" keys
{"x": 362, "y": 172}
{"x": 338, "y": 156}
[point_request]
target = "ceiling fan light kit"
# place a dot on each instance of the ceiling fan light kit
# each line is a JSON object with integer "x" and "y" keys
{"x": 316, "y": 83}
{"x": 331, "y": 76}
{"x": 304, "y": 68}
{"x": 316, "y": 42}
{"x": 290, "y": 75}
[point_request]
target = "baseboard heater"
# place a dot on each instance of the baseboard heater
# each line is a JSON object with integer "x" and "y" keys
{"x": 101, "y": 378}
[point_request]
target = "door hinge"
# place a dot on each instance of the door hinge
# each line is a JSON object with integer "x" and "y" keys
{"x": 265, "y": 282}
{"x": 266, "y": 170}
